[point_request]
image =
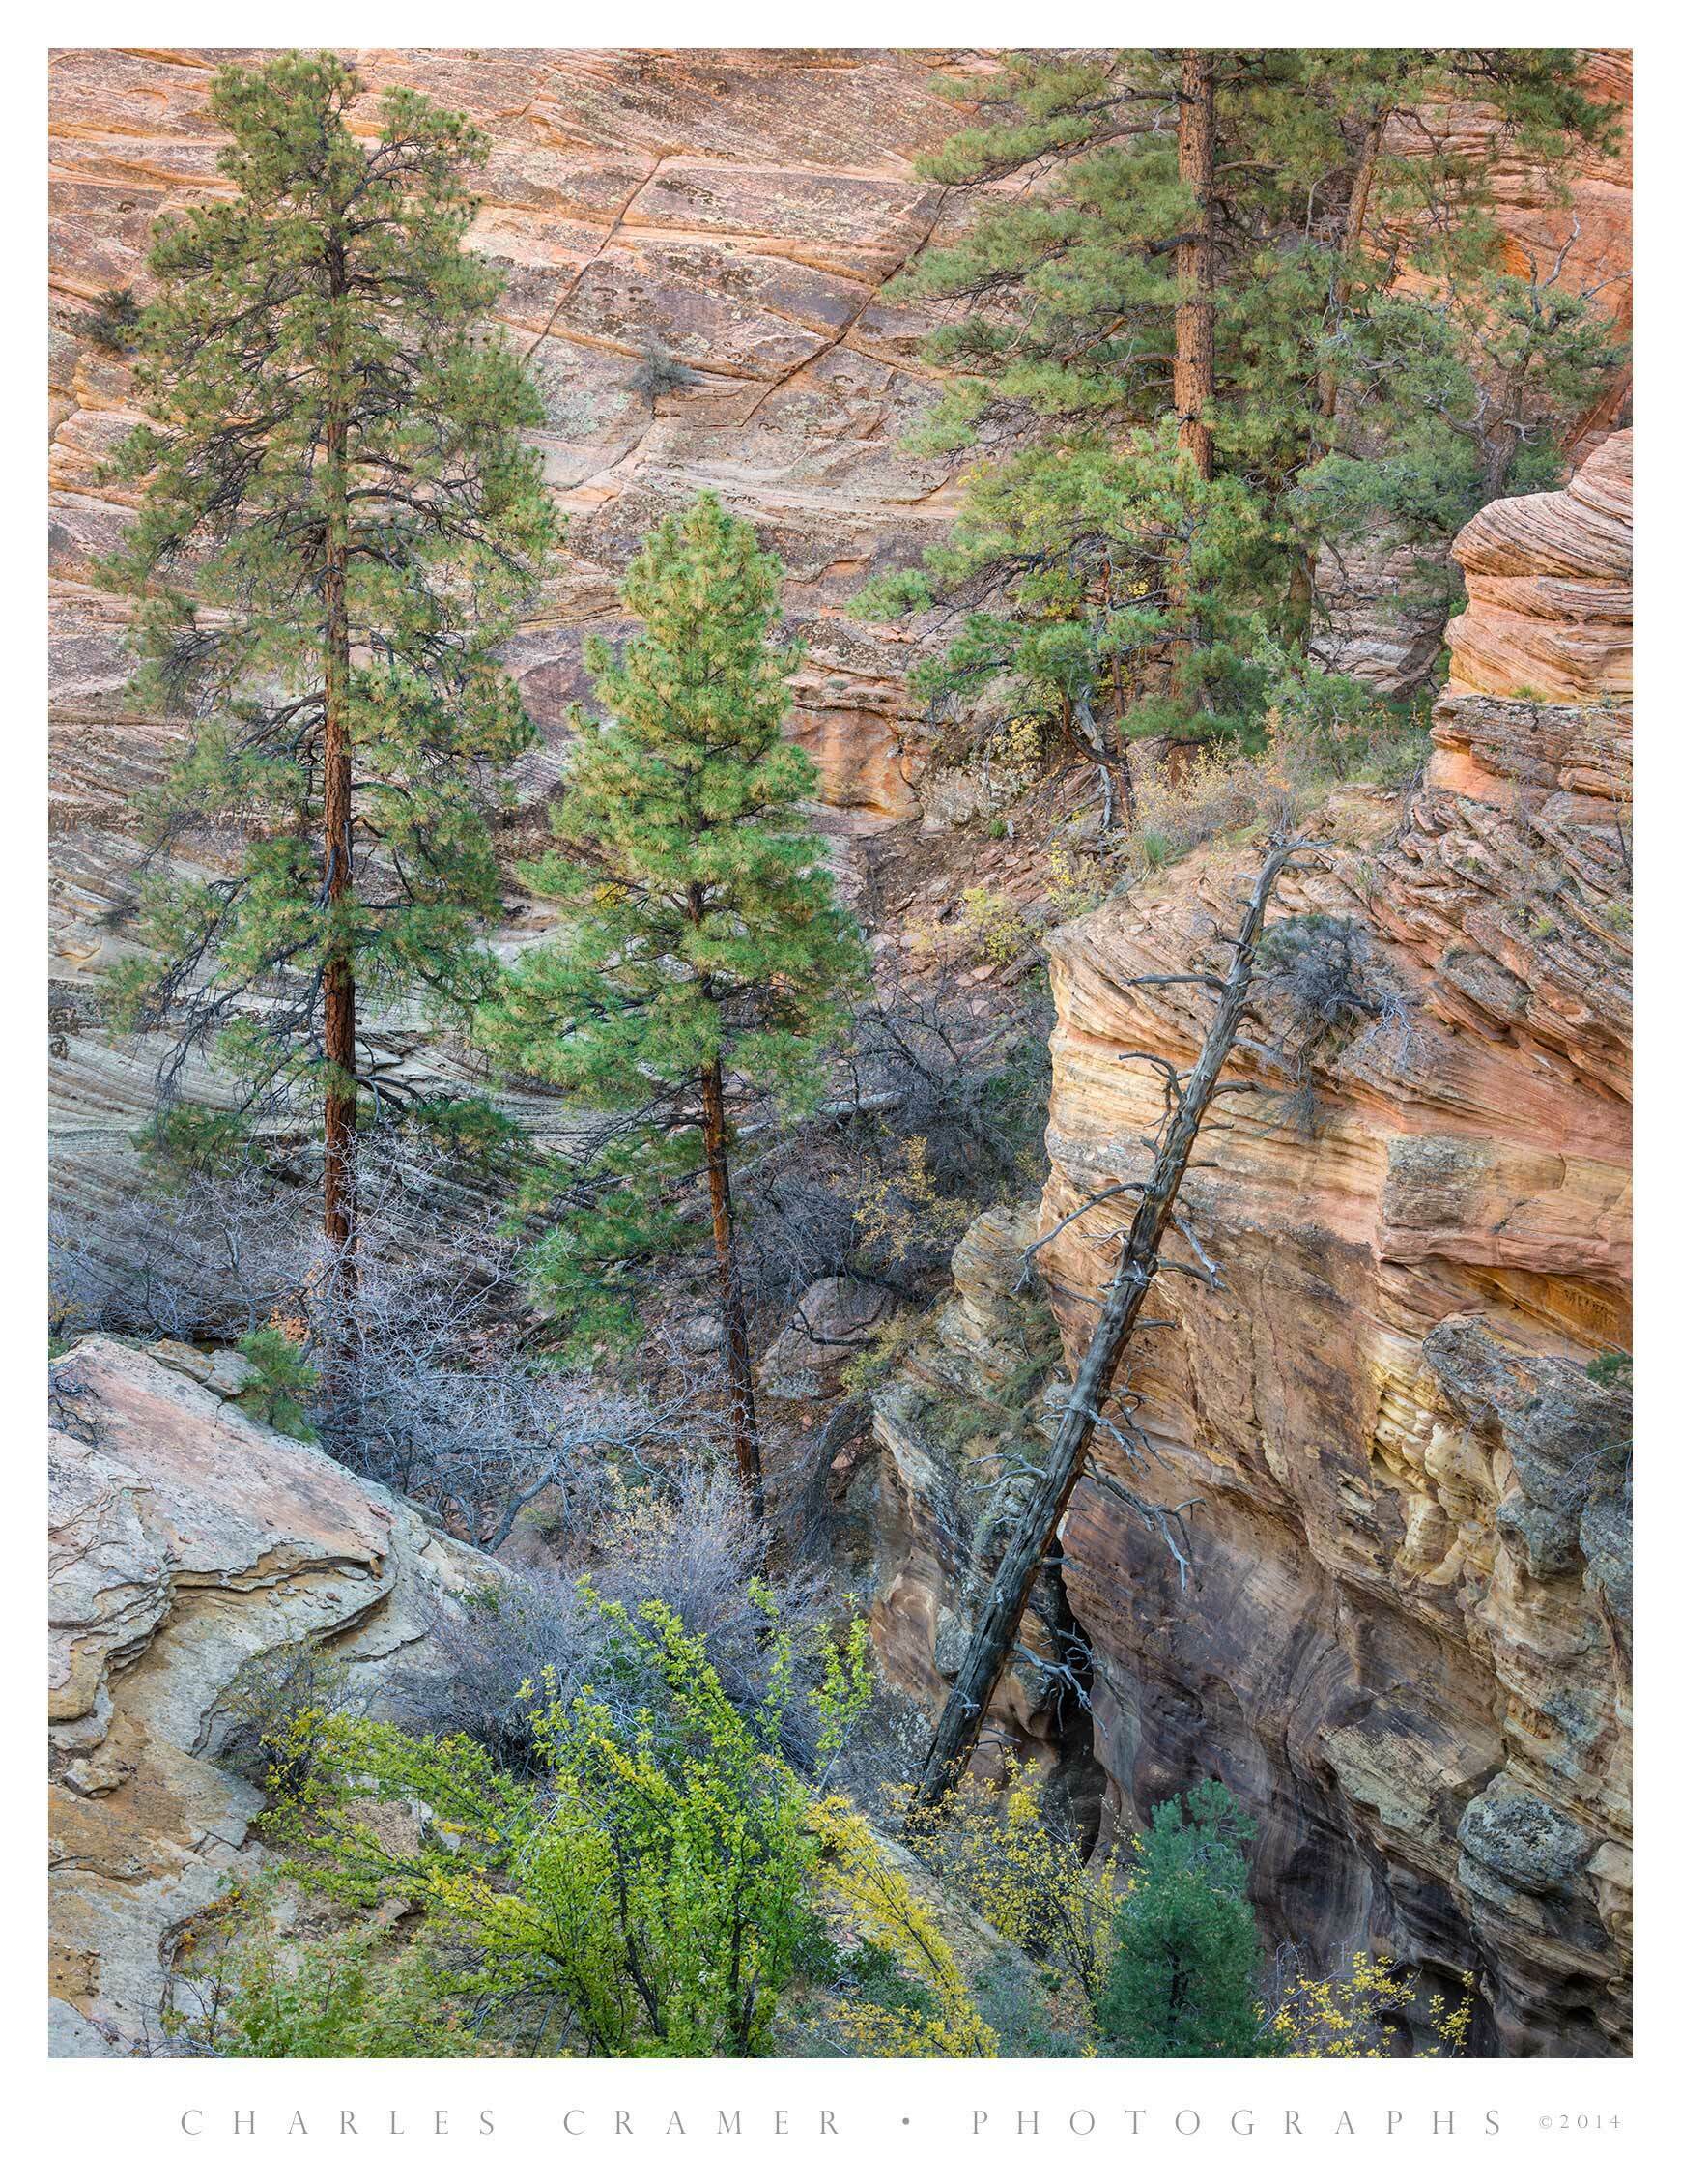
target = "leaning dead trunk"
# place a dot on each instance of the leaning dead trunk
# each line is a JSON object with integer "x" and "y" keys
{"x": 1122, "y": 1302}
{"x": 738, "y": 1360}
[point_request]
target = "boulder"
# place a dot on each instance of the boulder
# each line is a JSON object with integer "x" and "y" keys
{"x": 187, "y": 1541}
{"x": 832, "y": 1322}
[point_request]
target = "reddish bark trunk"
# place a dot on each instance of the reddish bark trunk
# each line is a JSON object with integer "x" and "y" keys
{"x": 738, "y": 1362}
{"x": 1193, "y": 264}
{"x": 339, "y": 1190}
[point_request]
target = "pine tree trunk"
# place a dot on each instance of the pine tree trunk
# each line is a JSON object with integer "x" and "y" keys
{"x": 1124, "y": 761}
{"x": 738, "y": 1362}
{"x": 1304, "y": 571}
{"x": 340, "y": 1028}
{"x": 1193, "y": 331}
{"x": 1353, "y": 233}
{"x": 1193, "y": 263}
{"x": 994, "y": 1635}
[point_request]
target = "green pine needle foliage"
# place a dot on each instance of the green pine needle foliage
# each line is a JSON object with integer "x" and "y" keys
{"x": 1182, "y": 1978}
{"x": 184, "y": 1141}
{"x": 280, "y": 1385}
{"x": 330, "y": 284}
{"x": 703, "y": 925}
{"x": 1119, "y": 591}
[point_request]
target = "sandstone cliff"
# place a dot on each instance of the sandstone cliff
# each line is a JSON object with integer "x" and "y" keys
{"x": 186, "y": 1542}
{"x": 1404, "y": 1640}
{"x": 735, "y": 212}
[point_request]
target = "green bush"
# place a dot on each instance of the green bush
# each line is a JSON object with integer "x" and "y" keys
{"x": 1182, "y": 1978}
{"x": 274, "y": 1395}
{"x": 653, "y": 1895}
{"x": 262, "y": 1999}
{"x": 283, "y": 1706}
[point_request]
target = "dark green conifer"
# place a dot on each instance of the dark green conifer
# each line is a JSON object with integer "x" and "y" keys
{"x": 706, "y": 962}
{"x": 1182, "y": 1978}
{"x": 1155, "y": 330}
{"x": 338, "y": 523}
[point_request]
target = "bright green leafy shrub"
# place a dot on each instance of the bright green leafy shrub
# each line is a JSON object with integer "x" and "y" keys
{"x": 650, "y": 1896}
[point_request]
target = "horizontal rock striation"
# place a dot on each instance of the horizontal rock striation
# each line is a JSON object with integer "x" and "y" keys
{"x": 1399, "y": 1431}
{"x": 1404, "y": 1641}
{"x": 735, "y": 214}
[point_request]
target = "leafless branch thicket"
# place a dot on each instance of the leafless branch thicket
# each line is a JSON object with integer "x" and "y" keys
{"x": 694, "y": 1546}
{"x": 936, "y": 1109}
{"x": 210, "y": 1261}
{"x": 429, "y": 1382}
{"x": 1321, "y": 983}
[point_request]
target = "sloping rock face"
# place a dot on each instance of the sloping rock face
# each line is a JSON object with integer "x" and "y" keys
{"x": 187, "y": 1541}
{"x": 1401, "y": 1429}
{"x": 1405, "y": 1640}
{"x": 736, "y": 213}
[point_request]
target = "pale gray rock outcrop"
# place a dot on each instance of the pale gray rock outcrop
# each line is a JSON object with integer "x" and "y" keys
{"x": 188, "y": 1540}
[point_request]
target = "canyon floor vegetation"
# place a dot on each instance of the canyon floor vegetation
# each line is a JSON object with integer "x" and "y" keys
{"x": 731, "y": 1232}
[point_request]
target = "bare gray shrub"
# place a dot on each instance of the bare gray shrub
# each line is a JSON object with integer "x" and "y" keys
{"x": 694, "y": 1547}
{"x": 923, "y": 1061}
{"x": 210, "y": 1261}
{"x": 430, "y": 1384}
{"x": 659, "y": 373}
{"x": 1322, "y": 982}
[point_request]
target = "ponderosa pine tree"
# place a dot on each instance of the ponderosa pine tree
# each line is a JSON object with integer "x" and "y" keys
{"x": 338, "y": 523}
{"x": 1155, "y": 336}
{"x": 706, "y": 962}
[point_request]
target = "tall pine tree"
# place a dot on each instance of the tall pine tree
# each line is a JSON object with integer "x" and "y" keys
{"x": 706, "y": 962}
{"x": 337, "y": 524}
{"x": 1156, "y": 327}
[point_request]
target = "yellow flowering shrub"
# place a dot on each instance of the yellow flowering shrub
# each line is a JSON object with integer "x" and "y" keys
{"x": 649, "y": 1895}
{"x": 992, "y": 928}
{"x": 998, "y": 1848}
{"x": 901, "y": 1206}
{"x": 1350, "y": 2013}
{"x": 885, "y": 1908}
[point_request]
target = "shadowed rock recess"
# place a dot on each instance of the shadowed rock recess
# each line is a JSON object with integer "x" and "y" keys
{"x": 1405, "y": 1636}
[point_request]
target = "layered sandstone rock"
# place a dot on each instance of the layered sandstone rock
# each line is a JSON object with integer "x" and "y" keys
{"x": 1400, "y": 1427}
{"x": 188, "y": 1542}
{"x": 1405, "y": 1636}
{"x": 734, "y": 213}
{"x": 1379, "y": 596}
